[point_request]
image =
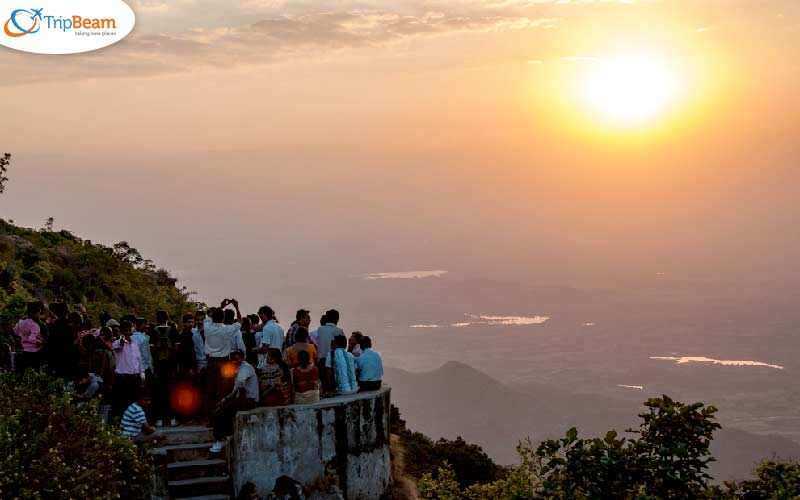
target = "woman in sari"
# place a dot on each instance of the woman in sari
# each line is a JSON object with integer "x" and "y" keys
{"x": 306, "y": 379}
{"x": 275, "y": 380}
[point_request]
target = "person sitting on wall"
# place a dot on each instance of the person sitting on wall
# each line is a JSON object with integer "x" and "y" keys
{"x": 369, "y": 366}
{"x": 243, "y": 397}
{"x": 341, "y": 366}
{"x": 306, "y": 379}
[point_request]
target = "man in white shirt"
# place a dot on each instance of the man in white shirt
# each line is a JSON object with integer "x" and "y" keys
{"x": 313, "y": 337}
{"x": 271, "y": 332}
{"x": 327, "y": 333}
{"x": 243, "y": 397}
{"x": 143, "y": 341}
{"x": 218, "y": 349}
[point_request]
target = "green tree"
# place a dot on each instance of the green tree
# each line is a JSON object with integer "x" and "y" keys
{"x": 49, "y": 448}
{"x": 674, "y": 447}
{"x": 5, "y": 162}
{"x": 572, "y": 467}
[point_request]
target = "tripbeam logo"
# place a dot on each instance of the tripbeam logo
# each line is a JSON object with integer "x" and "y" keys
{"x": 66, "y": 27}
{"x": 22, "y": 17}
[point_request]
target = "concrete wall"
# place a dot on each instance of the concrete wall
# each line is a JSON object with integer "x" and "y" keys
{"x": 344, "y": 439}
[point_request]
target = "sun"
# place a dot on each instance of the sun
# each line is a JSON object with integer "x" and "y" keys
{"x": 630, "y": 90}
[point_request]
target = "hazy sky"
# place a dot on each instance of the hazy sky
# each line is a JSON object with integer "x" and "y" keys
{"x": 269, "y": 141}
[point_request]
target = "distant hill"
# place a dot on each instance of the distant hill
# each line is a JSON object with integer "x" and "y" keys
{"x": 59, "y": 266}
{"x": 457, "y": 400}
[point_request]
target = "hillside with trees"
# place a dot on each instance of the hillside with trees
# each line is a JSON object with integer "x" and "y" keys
{"x": 57, "y": 266}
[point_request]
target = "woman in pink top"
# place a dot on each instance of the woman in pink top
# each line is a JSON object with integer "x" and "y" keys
{"x": 30, "y": 333}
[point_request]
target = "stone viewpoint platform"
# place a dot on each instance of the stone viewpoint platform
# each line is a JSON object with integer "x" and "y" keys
{"x": 337, "y": 448}
{"x": 340, "y": 441}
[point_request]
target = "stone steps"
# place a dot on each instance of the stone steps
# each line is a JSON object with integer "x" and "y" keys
{"x": 187, "y": 452}
{"x": 192, "y": 471}
{"x": 188, "y": 434}
{"x": 206, "y": 497}
{"x": 196, "y": 468}
{"x": 183, "y": 488}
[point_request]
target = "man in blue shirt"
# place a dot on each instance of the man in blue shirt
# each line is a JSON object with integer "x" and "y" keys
{"x": 325, "y": 335}
{"x": 341, "y": 367}
{"x": 369, "y": 366}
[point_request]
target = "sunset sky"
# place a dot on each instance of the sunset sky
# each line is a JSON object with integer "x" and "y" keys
{"x": 274, "y": 140}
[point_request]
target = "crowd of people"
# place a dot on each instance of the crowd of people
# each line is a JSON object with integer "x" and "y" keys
{"x": 215, "y": 363}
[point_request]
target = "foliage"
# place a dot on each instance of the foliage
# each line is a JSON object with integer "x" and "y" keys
{"x": 58, "y": 266}
{"x": 468, "y": 462}
{"x": 442, "y": 485}
{"x": 667, "y": 461}
{"x": 5, "y": 161}
{"x": 775, "y": 480}
{"x": 673, "y": 449}
{"x": 51, "y": 449}
{"x": 588, "y": 468}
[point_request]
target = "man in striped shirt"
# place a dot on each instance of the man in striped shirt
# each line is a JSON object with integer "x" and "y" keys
{"x": 134, "y": 422}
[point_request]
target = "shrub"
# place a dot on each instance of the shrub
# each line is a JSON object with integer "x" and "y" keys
{"x": 468, "y": 462}
{"x": 775, "y": 480}
{"x": 50, "y": 449}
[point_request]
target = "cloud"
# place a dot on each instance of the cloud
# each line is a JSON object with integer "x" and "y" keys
{"x": 263, "y": 41}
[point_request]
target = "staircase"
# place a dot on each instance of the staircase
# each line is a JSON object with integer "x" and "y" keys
{"x": 192, "y": 471}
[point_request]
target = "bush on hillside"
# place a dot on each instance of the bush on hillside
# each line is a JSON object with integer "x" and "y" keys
{"x": 775, "y": 480}
{"x": 468, "y": 462}
{"x": 51, "y": 449}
